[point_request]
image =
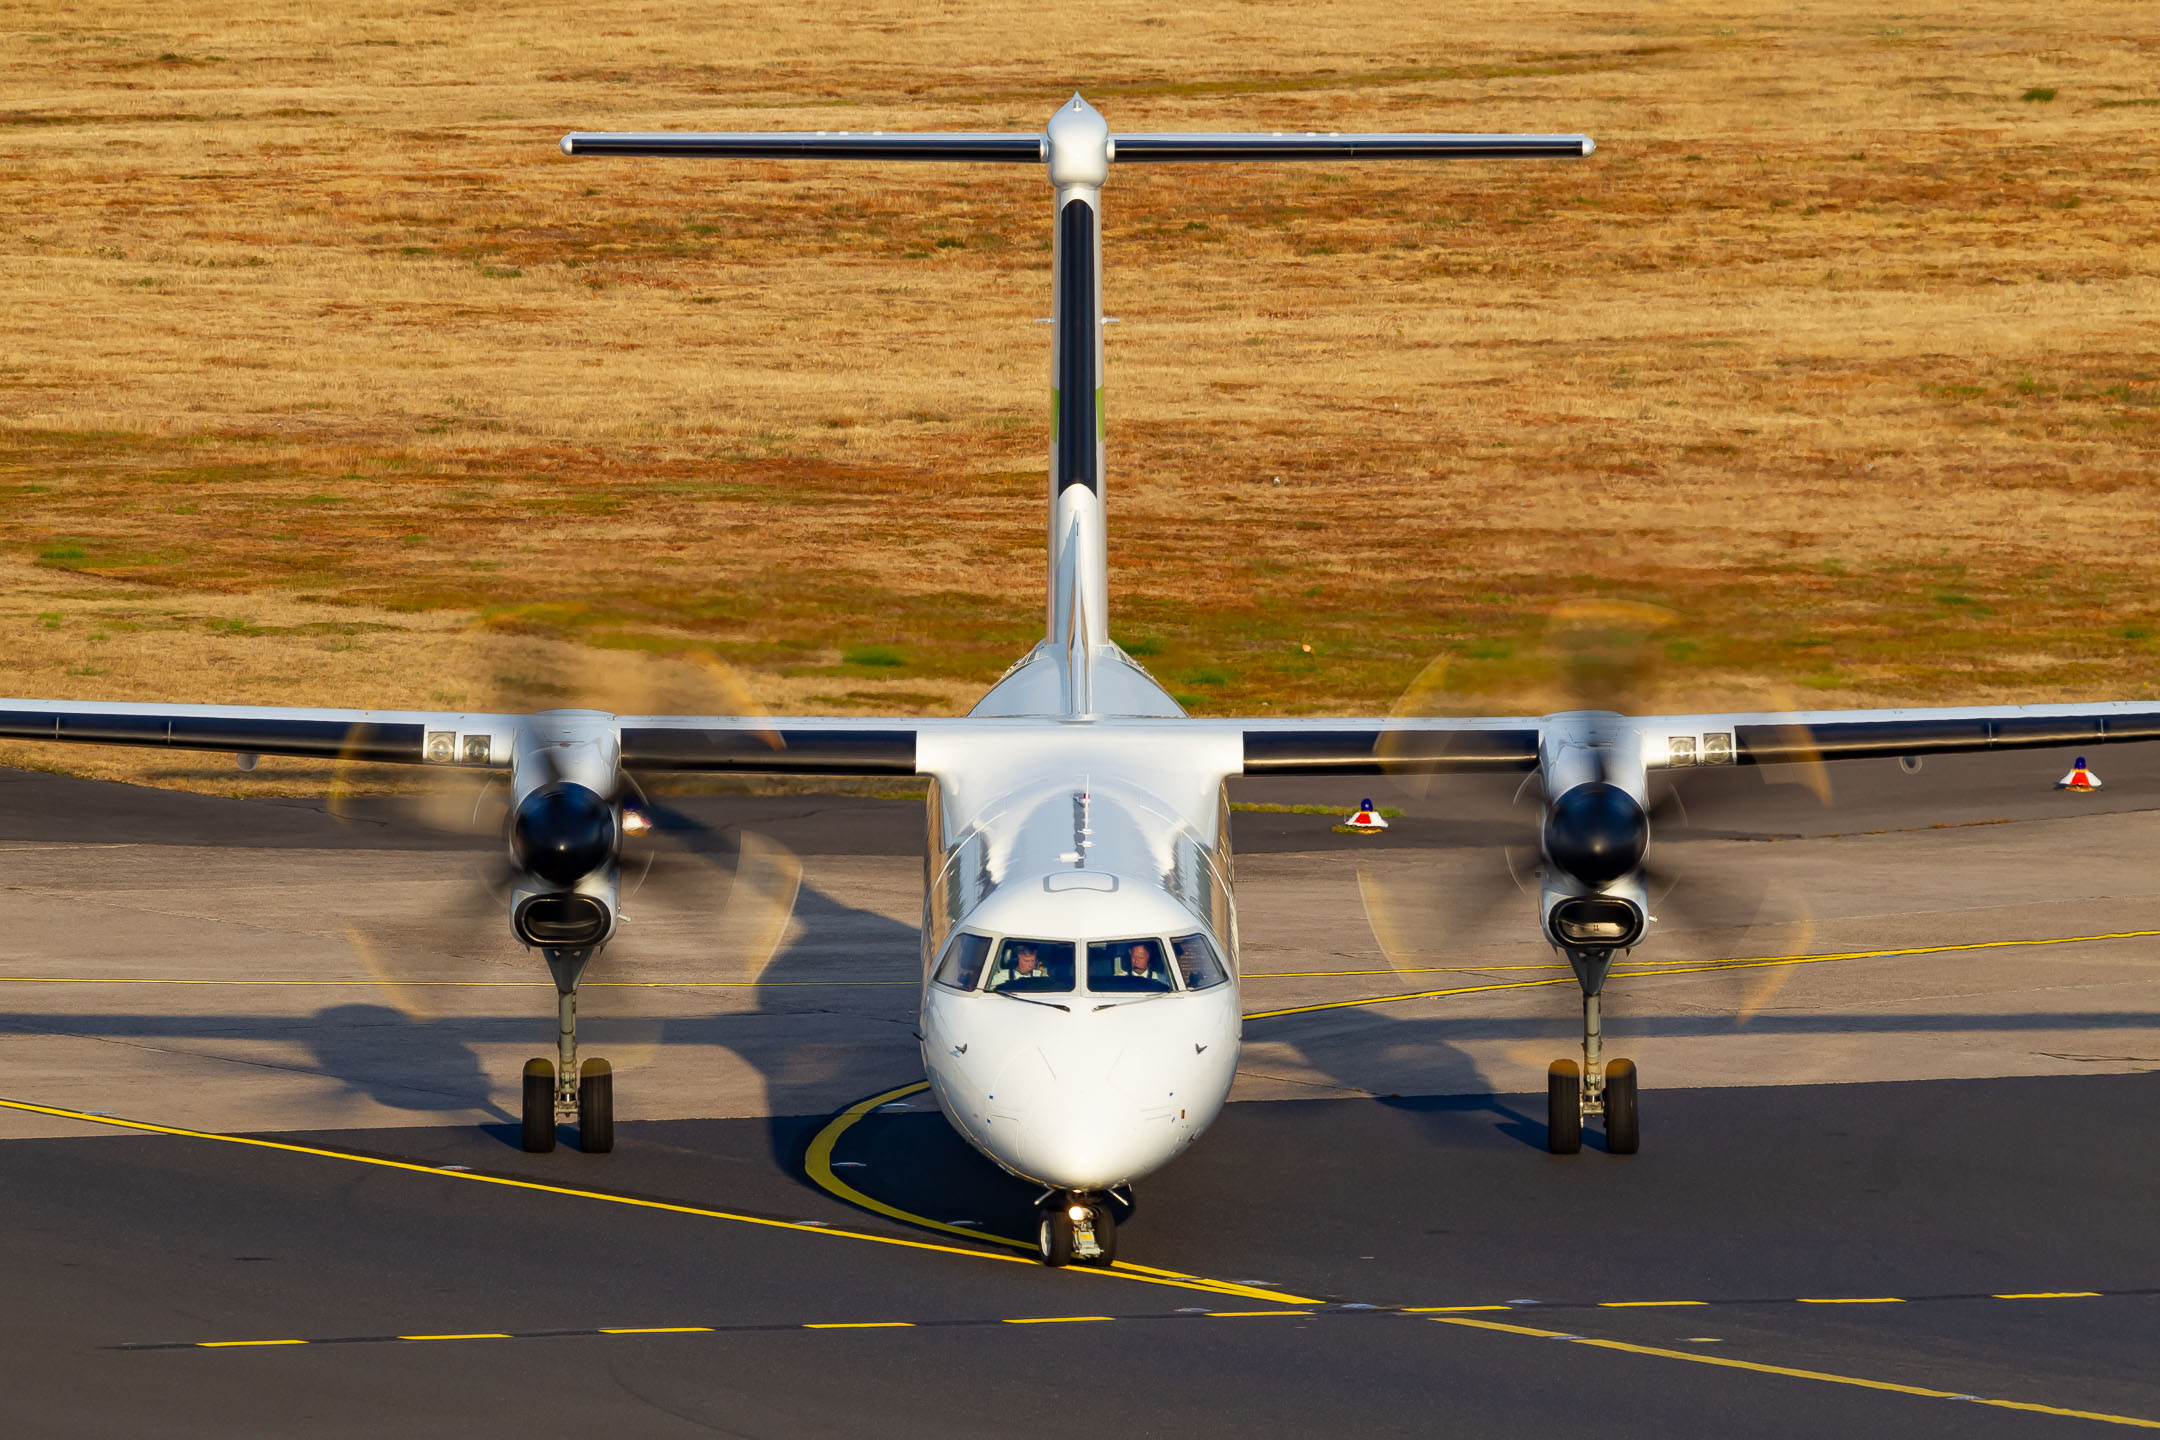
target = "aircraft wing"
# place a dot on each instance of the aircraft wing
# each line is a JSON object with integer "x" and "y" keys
{"x": 822, "y": 745}
{"x": 808, "y": 746}
{"x": 1380, "y": 747}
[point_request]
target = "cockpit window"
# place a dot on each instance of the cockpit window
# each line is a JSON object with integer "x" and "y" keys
{"x": 1128, "y": 965}
{"x": 1032, "y": 967}
{"x": 1198, "y": 962}
{"x": 964, "y": 961}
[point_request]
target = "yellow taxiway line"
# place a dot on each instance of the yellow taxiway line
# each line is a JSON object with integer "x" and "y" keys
{"x": 1139, "y": 1274}
{"x": 818, "y": 1163}
{"x": 1821, "y": 1376}
{"x": 1704, "y": 967}
{"x": 1328, "y": 1313}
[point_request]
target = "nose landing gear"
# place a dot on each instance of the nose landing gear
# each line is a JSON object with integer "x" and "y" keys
{"x": 1076, "y": 1228}
{"x": 563, "y": 1091}
{"x": 1596, "y": 1088}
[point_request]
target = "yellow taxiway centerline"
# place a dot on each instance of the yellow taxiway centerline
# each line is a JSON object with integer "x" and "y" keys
{"x": 817, "y": 1163}
{"x": 1179, "y": 1315}
{"x": 242, "y": 1344}
{"x": 415, "y": 1168}
{"x": 1822, "y": 1376}
{"x": 1136, "y": 1274}
{"x": 1704, "y": 967}
{"x": 859, "y": 1325}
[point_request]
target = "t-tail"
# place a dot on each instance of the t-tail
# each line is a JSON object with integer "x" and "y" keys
{"x": 1076, "y": 670}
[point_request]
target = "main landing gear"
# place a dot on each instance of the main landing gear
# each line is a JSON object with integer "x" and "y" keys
{"x": 1597, "y": 1087}
{"x": 1076, "y": 1228}
{"x": 562, "y": 1091}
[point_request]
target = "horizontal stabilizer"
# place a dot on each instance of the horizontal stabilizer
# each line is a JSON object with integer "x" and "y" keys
{"x": 1129, "y": 148}
{"x": 815, "y": 145}
{"x": 991, "y": 146}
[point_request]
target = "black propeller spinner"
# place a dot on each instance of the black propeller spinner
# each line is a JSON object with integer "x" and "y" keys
{"x": 1597, "y": 832}
{"x": 563, "y": 832}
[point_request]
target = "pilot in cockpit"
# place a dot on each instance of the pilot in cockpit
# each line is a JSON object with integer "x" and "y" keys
{"x": 1027, "y": 965}
{"x": 1140, "y": 964}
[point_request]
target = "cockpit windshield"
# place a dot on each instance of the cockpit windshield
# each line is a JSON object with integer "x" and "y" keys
{"x": 1197, "y": 960}
{"x": 1132, "y": 966}
{"x": 1033, "y": 967}
{"x": 964, "y": 961}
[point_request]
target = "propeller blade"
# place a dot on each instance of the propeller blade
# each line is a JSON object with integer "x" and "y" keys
{"x": 1809, "y": 772}
{"x": 1425, "y": 908}
{"x": 730, "y": 901}
{"x": 685, "y": 892}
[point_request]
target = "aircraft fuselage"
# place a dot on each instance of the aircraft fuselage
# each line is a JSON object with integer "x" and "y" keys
{"x": 1080, "y": 1014}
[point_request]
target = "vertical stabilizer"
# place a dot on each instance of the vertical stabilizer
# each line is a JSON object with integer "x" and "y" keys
{"x": 1077, "y": 140}
{"x": 1074, "y": 669}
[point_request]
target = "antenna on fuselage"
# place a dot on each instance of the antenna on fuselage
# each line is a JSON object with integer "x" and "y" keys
{"x": 1077, "y": 149}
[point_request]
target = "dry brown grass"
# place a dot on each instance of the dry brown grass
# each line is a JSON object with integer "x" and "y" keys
{"x": 1839, "y": 346}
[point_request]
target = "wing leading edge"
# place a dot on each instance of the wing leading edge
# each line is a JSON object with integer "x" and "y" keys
{"x": 1351, "y": 747}
{"x": 807, "y": 746}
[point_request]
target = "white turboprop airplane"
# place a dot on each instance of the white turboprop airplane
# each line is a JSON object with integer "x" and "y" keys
{"x": 1080, "y": 1022}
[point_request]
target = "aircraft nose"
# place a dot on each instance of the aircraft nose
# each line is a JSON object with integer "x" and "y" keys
{"x": 1090, "y": 1126}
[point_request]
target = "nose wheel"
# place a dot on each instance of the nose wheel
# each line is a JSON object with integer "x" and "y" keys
{"x": 1573, "y": 1093}
{"x": 1076, "y": 1229}
{"x": 562, "y": 1091}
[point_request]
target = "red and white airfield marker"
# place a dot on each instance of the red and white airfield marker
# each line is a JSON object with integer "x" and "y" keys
{"x": 2079, "y": 778}
{"x": 1368, "y": 818}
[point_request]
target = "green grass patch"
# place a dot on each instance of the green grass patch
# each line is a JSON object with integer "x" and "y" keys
{"x": 880, "y": 655}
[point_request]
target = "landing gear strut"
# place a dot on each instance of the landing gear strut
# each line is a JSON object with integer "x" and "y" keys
{"x": 1573, "y": 1094}
{"x": 1076, "y": 1228}
{"x": 563, "y": 1091}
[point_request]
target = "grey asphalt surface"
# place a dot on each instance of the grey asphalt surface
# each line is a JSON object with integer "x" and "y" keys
{"x": 1937, "y": 1194}
{"x": 1941, "y": 1195}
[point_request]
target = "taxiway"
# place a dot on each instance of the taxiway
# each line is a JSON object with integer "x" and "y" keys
{"x": 1904, "y": 1188}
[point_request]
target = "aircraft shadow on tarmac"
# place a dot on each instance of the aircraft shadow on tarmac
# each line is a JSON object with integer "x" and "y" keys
{"x": 398, "y": 1056}
{"x": 1442, "y": 1077}
{"x": 435, "y": 1064}
{"x": 421, "y": 1064}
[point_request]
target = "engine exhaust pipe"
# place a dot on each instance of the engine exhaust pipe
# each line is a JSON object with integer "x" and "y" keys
{"x": 561, "y": 920}
{"x": 1604, "y": 921}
